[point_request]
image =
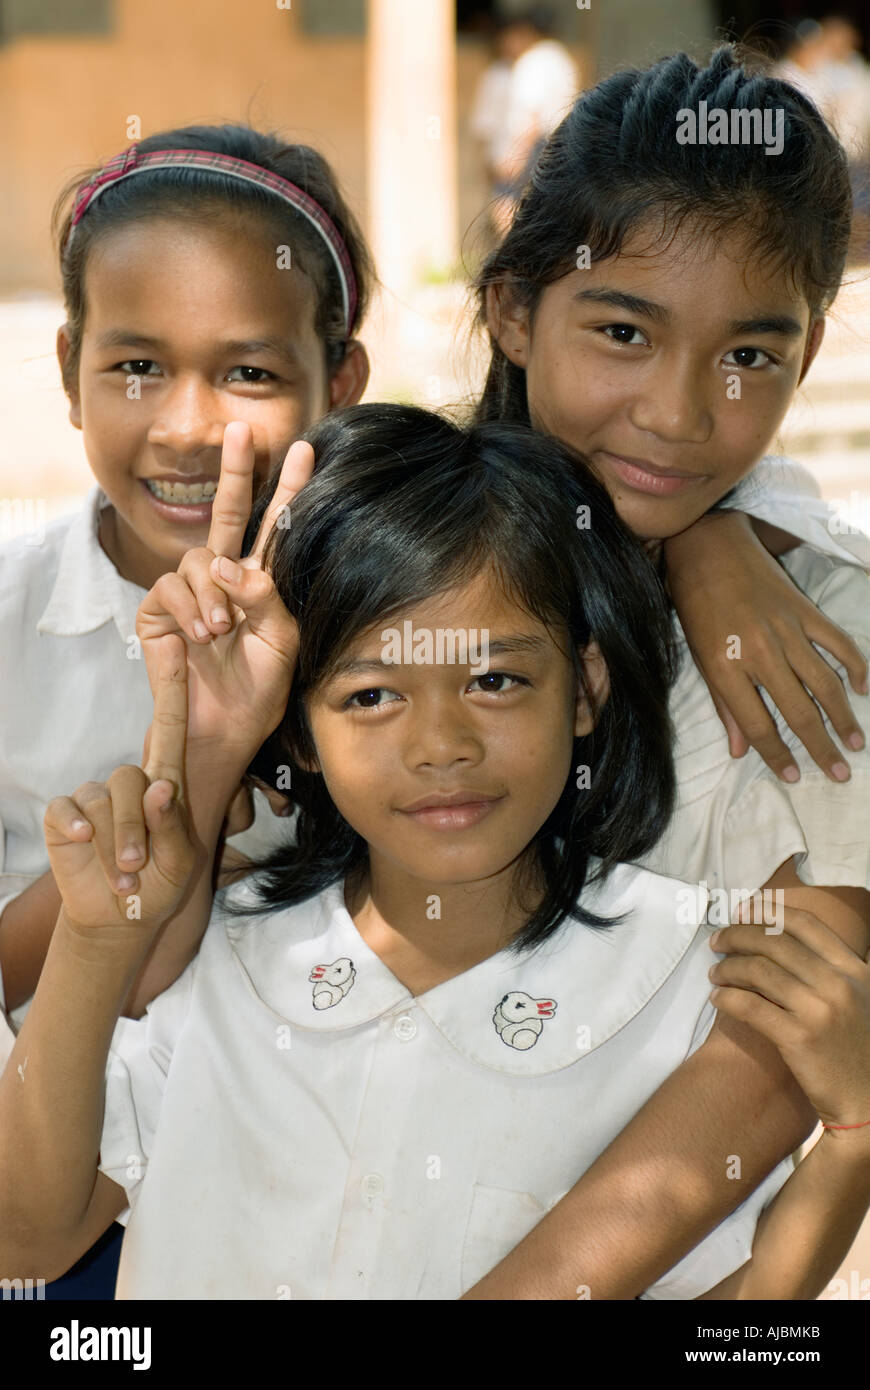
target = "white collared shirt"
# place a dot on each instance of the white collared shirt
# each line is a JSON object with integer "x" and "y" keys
{"x": 74, "y": 699}
{"x": 75, "y": 702}
{"x": 289, "y": 1121}
{"x": 735, "y": 821}
{"x": 785, "y": 494}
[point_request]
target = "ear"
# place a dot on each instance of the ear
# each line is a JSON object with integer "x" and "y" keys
{"x": 814, "y": 342}
{"x": 350, "y": 378}
{"x": 70, "y": 387}
{"x": 587, "y": 710}
{"x": 508, "y": 322}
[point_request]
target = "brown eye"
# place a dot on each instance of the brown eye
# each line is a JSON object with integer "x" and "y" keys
{"x": 492, "y": 682}
{"x": 251, "y": 376}
{"x": 137, "y": 366}
{"x": 370, "y": 699}
{"x": 742, "y": 354}
{"x": 623, "y": 333}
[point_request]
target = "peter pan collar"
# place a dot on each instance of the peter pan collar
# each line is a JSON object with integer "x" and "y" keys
{"x": 523, "y": 1016}
{"x": 88, "y": 590}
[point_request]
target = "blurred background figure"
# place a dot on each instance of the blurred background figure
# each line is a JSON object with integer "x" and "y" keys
{"x": 803, "y": 60}
{"x": 521, "y": 99}
{"x": 825, "y": 62}
{"x": 488, "y": 119}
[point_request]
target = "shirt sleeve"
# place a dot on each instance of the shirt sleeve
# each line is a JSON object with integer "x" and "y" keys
{"x": 822, "y": 822}
{"x": 7, "y": 1041}
{"x": 785, "y": 494}
{"x": 136, "y": 1072}
{"x": 11, "y": 886}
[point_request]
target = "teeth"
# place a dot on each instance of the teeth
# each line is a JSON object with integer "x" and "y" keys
{"x": 182, "y": 493}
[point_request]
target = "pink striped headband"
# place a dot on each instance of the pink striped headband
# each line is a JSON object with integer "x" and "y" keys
{"x": 123, "y": 166}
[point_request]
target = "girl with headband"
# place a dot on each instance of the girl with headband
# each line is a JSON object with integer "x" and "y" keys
{"x": 211, "y": 274}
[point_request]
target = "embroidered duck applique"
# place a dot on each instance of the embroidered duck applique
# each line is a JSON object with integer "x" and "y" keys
{"x": 519, "y": 1019}
{"x": 332, "y": 982}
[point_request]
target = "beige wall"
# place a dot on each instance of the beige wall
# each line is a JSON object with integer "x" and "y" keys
{"x": 64, "y": 102}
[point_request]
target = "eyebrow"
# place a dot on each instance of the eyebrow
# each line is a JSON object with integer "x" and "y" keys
{"x": 241, "y": 347}
{"x": 119, "y": 337}
{"x": 245, "y": 346}
{"x": 513, "y": 644}
{"x": 783, "y": 324}
{"x": 632, "y": 303}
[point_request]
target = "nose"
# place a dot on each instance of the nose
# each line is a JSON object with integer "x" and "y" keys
{"x": 673, "y": 403}
{"x": 441, "y": 737}
{"x": 188, "y": 420}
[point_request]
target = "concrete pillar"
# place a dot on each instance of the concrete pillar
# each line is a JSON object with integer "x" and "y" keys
{"x": 411, "y": 138}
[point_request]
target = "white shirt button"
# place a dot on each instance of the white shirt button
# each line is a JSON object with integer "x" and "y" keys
{"x": 372, "y": 1184}
{"x": 405, "y": 1028}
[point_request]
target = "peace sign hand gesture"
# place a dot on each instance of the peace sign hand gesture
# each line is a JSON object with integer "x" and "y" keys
{"x": 241, "y": 641}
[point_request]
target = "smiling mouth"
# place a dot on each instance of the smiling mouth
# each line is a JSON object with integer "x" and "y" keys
{"x": 645, "y": 477}
{"x": 457, "y": 811}
{"x": 447, "y": 800}
{"x": 458, "y": 816}
{"x": 181, "y": 494}
{"x": 652, "y": 468}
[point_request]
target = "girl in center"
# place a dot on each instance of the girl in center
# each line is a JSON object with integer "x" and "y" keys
{"x": 400, "y": 1036}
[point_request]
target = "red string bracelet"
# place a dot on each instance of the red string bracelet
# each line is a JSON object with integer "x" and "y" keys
{"x": 862, "y": 1125}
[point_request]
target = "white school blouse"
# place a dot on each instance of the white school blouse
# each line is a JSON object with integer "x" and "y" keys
{"x": 289, "y": 1122}
{"x": 75, "y": 702}
{"x": 735, "y": 822}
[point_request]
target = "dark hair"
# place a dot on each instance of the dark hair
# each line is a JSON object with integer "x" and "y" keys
{"x": 614, "y": 162}
{"x": 187, "y": 192}
{"x": 404, "y": 504}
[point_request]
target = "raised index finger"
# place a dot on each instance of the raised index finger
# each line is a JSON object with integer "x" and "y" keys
{"x": 231, "y": 508}
{"x": 295, "y": 473}
{"x": 169, "y": 726}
